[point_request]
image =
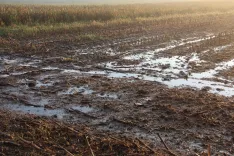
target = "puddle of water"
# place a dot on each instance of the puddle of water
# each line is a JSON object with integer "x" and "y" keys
{"x": 195, "y": 58}
{"x": 40, "y": 84}
{"x": 110, "y": 52}
{"x": 122, "y": 75}
{"x": 41, "y": 102}
{"x": 83, "y": 109}
{"x": 31, "y": 64}
{"x": 199, "y": 84}
{"x": 197, "y": 146}
{"x": 162, "y": 67}
{"x": 18, "y": 73}
{"x": 175, "y": 65}
{"x": 40, "y": 111}
{"x": 211, "y": 73}
{"x": 9, "y": 61}
{"x": 4, "y": 76}
{"x": 226, "y": 90}
{"x": 96, "y": 72}
{"x": 205, "y": 51}
{"x": 18, "y": 61}
{"x": 28, "y": 65}
{"x": 74, "y": 90}
{"x": 80, "y": 72}
{"x": 71, "y": 71}
{"x": 175, "y": 62}
{"x": 220, "y": 48}
{"x": 171, "y": 45}
{"x": 108, "y": 95}
{"x": 225, "y": 153}
{"x": 195, "y": 83}
{"x": 1, "y": 68}
{"x": 85, "y": 90}
{"x": 50, "y": 68}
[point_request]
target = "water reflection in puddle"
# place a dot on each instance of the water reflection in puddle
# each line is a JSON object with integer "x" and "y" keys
{"x": 176, "y": 67}
{"x": 75, "y": 90}
{"x": 83, "y": 109}
{"x": 4, "y": 76}
{"x": 50, "y": 68}
{"x": 108, "y": 95}
{"x": 40, "y": 111}
{"x": 211, "y": 73}
{"x": 40, "y": 84}
{"x": 171, "y": 45}
{"x": 193, "y": 81}
{"x": 220, "y": 48}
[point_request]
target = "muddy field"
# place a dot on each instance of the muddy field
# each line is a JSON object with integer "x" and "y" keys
{"x": 136, "y": 87}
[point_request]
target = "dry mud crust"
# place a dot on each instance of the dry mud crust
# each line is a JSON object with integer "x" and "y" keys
{"x": 30, "y": 135}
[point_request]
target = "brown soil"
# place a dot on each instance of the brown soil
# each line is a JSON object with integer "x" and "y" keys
{"x": 31, "y": 135}
{"x": 124, "y": 111}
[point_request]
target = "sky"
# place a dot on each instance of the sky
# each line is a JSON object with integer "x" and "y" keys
{"x": 86, "y": 1}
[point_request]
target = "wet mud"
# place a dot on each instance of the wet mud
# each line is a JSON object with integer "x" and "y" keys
{"x": 181, "y": 89}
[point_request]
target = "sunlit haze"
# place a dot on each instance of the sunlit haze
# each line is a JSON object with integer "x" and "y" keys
{"x": 89, "y": 1}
